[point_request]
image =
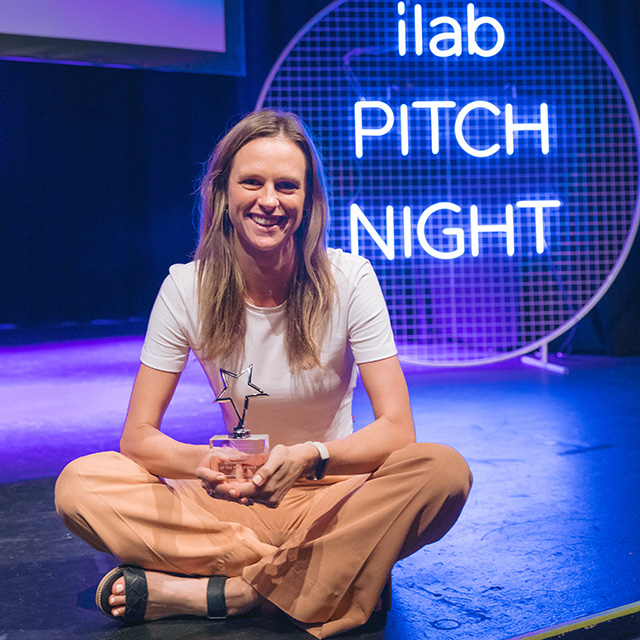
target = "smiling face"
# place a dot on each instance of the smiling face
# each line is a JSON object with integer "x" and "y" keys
{"x": 266, "y": 194}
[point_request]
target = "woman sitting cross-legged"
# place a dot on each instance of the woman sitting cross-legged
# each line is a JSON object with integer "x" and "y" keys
{"x": 283, "y": 324}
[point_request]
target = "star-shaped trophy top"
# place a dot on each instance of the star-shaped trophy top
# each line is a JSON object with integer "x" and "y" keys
{"x": 238, "y": 389}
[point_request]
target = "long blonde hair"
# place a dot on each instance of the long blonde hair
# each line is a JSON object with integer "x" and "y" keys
{"x": 221, "y": 284}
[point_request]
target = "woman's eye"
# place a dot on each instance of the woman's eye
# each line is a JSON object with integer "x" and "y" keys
{"x": 287, "y": 186}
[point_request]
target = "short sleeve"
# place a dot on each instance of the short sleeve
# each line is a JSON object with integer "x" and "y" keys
{"x": 170, "y": 333}
{"x": 369, "y": 327}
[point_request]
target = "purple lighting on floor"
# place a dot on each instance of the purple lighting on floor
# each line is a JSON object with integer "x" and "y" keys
{"x": 554, "y": 458}
{"x": 63, "y": 400}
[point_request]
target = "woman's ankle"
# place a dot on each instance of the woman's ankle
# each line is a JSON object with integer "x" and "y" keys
{"x": 240, "y": 596}
{"x": 172, "y": 595}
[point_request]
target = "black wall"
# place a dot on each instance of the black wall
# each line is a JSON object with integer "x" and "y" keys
{"x": 98, "y": 168}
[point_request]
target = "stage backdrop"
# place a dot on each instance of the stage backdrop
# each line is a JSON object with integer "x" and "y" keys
{"x": 484, "y": 157}
{"x": 98, "y": 168}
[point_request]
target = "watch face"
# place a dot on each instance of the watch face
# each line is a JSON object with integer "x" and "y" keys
{"x": 321, "y": 467}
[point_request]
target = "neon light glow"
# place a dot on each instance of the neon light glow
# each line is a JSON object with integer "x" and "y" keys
{"x": 476, "y": 227}
{"x": 417, "y": 11}
{"x": 379, "y": 131}
{"x": 473, "y": 24}
{"x": 460, "y": 120}
{"x": 511, "y": 127}
{"x": 434, "y": 107}
{"x": 539, "y": 207}
{"x": 458, "y": 234}
{"x": 402, "y": 31}
{"x": 484, "y": 158}
{"x": 387, "y": 247}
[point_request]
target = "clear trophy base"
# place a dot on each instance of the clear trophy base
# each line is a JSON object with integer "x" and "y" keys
{"x": 239, "y": 458}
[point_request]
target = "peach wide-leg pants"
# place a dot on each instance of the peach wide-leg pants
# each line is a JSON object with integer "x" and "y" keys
{"x": 323, "y": 556}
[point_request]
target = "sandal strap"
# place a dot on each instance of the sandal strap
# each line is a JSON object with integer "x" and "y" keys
{"x": 216, "y": 604}
{"x": 135, "y": 594}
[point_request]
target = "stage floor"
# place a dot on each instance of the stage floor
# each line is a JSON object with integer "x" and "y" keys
{"x": 551, "y": 531}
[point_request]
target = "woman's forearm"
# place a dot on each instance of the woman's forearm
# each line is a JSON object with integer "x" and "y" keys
{"x": 365, "y": 450}
{"x": 142, "y": 440}
{"x": 160, "y": 454}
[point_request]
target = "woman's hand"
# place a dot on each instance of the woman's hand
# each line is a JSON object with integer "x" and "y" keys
{"x": 214, "y": 482}
{"x": 271, "y": 482}
{"x": 361, "y": 452}
{"x": 274, "y": 479}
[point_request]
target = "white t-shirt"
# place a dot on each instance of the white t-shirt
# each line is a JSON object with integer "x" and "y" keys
{"x": 305, "y": 405}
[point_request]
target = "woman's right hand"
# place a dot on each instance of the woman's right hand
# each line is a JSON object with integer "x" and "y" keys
{"x": 216, "y": 484}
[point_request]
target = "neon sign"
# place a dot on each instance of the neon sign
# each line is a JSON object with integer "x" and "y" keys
{"x": 454, "y": 38}
{"x": 484, "y": 158}
{"x": 507, "y": 228}
{"x": 511, "y": 127}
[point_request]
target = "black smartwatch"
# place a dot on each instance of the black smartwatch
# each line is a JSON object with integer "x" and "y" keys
{"x": 321, "y": 465}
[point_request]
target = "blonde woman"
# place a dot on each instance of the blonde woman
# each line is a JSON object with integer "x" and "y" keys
{"x": 317, "y": 528}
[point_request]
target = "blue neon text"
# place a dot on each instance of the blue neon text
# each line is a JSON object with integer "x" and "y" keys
{"x": 434, "y": 108}
{"x": 476, "y": 228}
{"x": 448, "y": 43}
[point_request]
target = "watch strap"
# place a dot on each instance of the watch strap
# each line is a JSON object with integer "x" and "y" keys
{"x": 321, "y": 465}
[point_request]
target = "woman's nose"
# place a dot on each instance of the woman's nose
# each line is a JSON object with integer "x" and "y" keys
{"x": 268, "y": 198}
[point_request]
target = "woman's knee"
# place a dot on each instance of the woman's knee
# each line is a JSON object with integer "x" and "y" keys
{"x": 430, "y": 461}
{"x": 77, "y": 494}
{"x": 75, "y": 484}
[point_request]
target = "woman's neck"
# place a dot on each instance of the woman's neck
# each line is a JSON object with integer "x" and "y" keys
{"x": 267, "y": 277}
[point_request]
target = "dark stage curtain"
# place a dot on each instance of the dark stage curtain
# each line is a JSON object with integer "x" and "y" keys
{"x": 98, "y": 168}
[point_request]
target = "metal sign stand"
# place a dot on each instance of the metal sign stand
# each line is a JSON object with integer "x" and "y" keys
{"x": 541, "y": 360}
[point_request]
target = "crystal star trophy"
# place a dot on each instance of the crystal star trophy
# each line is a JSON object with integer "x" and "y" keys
{"x": 239, "y": 454}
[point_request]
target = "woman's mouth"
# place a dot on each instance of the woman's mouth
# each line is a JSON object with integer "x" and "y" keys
{"x": 266, "y": 221}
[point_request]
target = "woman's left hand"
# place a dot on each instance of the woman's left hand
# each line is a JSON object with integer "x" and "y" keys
{"x": 273, "y": 480}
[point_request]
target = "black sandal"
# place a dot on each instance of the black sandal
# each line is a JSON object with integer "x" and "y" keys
{"x": 136, "y": 595}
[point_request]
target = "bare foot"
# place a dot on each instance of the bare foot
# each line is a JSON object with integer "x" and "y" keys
{"x": 177, "y": 596}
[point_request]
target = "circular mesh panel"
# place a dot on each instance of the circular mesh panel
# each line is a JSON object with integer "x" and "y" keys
{"x": 495, "y": 191}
